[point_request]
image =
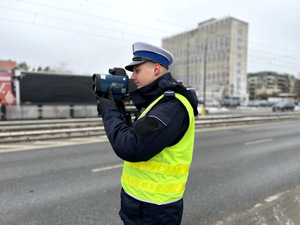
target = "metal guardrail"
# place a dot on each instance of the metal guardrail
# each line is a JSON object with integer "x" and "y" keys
{"x": 13, "y": 131}
{"x": 245, "y": 119}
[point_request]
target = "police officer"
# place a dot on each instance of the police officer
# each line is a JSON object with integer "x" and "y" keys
{"x": 157, "y": 148}
{"x": 2, "y": 110}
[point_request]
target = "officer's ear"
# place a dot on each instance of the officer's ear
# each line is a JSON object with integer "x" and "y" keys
{"x": 157, "y": 69}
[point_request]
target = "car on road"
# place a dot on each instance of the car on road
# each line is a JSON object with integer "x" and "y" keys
{"x": 284, "y": 105}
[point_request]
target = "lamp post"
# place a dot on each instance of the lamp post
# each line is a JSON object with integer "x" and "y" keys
{"x": 204, "y": 78}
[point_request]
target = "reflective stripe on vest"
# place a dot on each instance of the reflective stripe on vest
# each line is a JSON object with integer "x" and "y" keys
{"x": 162, "y": 179}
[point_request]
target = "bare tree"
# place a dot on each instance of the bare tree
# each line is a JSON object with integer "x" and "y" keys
{"x": 22, "y": 66}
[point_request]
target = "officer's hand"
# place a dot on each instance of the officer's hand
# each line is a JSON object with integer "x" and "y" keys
{"x": 120, "y": 105}
{"x": 105, "y": 102}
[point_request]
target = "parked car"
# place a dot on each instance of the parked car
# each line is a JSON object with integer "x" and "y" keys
{"x": 209, "y": 102}
{"x": 229, "y": 103}
{"x": 258, "y": 103}
{"x": 253, "y": 103}
{"x": 284, "y": 105}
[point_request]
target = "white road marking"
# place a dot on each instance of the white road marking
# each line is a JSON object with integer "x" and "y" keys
{"x": 258, "y": 141}
{"x": 107, "y": 168}
{"x": 28, "y": 146}
{"x": 273, "y": 197}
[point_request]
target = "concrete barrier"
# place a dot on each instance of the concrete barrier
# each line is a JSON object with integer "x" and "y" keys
{"x": 27, "y": 112}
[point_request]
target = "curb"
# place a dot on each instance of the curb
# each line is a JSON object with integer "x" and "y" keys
{"x": 279, "y": 209}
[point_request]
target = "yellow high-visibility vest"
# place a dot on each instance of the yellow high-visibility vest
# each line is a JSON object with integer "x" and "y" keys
{"x": 162, "y": 179}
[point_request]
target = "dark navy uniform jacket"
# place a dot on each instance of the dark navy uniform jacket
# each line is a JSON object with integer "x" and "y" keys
{"x": 163, "y": 126}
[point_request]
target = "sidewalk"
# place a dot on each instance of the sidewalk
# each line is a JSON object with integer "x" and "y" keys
{"x": 279, "y": 209}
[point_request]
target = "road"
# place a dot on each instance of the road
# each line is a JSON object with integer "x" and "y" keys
{"x": 77, "y": 181}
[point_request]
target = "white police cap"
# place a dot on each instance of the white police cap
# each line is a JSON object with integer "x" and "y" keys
{"x": 144, "y": 52}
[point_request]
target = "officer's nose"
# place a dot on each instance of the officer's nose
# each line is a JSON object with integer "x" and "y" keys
{"x": 133, "y": 77}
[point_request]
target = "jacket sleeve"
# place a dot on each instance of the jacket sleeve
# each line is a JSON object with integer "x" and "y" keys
{"x": 163, "y": 126}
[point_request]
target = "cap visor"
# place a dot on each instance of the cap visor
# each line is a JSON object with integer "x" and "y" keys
{"x": 134, "y": 63}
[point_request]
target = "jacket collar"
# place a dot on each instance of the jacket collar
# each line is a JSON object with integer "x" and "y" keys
{"x": 142, "y": 97}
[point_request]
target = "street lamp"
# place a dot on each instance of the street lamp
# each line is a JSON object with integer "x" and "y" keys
{"x": 204, "y": 78}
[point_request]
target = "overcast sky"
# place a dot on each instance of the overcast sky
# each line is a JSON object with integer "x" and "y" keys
{"x": 88, "y": 36}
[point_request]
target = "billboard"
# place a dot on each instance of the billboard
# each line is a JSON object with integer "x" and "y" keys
{"x": 7, "y": 97}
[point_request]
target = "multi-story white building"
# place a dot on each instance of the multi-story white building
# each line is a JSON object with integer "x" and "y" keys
{"x": 212, "y": 56}
{"x": 266, "y": 84}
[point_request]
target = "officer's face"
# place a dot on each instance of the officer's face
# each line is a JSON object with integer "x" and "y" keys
{"x": 143, "y": 74}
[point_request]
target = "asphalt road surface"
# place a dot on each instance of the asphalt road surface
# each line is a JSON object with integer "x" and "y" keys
{"x": 77, "y": 181}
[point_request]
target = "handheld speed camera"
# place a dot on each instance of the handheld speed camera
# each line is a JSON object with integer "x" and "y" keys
{"x": 117, "y": 79}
